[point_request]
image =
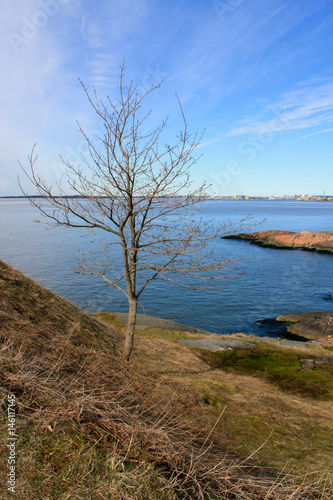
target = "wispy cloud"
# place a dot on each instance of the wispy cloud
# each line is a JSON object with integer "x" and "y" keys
{"x": 316, "y": 133}
{"x": 310, "y": 105}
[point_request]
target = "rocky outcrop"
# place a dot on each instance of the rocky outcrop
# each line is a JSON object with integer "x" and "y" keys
{"x": 313, "y": 325}
{"x": 320, "y": 242}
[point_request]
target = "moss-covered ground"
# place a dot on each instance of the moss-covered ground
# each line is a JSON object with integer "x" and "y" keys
{"x": 281, "y": 367}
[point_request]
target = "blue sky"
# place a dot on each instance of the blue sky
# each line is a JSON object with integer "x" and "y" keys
{"x": 255, "y": 74}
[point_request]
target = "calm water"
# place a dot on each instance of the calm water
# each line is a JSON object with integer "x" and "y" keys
{"x": 273, "y": 282}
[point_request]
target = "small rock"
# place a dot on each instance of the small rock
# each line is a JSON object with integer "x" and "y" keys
{"x": 319, "y": 361}
{"x": 310, "y": 364}
{"x": 307, "y": 365}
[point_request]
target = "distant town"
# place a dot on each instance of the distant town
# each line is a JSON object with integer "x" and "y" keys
{"x": 298, "y": 197}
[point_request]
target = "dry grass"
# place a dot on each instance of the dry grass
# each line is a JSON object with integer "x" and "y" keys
{"x": 91, "y": 427}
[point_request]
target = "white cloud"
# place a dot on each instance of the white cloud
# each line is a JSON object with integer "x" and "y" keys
{"x": 316, "y": 133}
{"x": 309, "y": 106}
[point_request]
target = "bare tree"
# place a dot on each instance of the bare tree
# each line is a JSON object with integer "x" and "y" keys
{"x": 141, "y": 195}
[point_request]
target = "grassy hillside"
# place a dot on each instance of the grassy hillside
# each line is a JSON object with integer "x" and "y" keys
{"x": 172, "y": 424}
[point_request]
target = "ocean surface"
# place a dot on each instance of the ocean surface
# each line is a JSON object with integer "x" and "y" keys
{"x": 272, "y": 282}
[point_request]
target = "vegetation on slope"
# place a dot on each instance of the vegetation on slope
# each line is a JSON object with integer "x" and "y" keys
{"x": 279, "y": 366}
{"x": 90, "y": 426}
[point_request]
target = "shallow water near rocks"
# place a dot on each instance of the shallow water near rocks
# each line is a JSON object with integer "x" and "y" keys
{"x": 272, "y": 328}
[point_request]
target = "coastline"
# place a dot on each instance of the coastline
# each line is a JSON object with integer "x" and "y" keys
{"x": 203, "y": 339}
{"x": 145, "y": 321}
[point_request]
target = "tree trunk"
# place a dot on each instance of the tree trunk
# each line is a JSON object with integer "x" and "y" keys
{"x": 129, "y": 339}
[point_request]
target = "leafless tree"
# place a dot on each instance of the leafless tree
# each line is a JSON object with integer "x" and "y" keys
{"x": 141, "y": 195}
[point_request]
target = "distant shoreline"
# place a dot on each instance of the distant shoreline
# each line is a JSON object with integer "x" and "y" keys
{"x": 326, "y": 199}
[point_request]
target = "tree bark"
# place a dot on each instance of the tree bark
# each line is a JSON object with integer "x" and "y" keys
{"x": 129, "y": 339}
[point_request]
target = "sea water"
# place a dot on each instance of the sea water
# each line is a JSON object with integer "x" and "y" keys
{"x": 271, "y": 282}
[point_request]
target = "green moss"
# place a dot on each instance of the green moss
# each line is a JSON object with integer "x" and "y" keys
{"x": 109, "y": 318}
{"x": 281, "y": 367}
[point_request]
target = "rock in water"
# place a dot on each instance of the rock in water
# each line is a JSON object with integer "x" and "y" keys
{"x": 320, "y": 242}
{"x": 312, "y": 325}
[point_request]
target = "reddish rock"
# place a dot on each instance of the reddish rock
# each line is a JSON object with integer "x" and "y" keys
{"x": 321, "y": 241}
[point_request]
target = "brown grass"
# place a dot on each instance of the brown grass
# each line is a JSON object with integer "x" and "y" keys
{"x": 91, "y": 427}
{"x": 300, "y": 430}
